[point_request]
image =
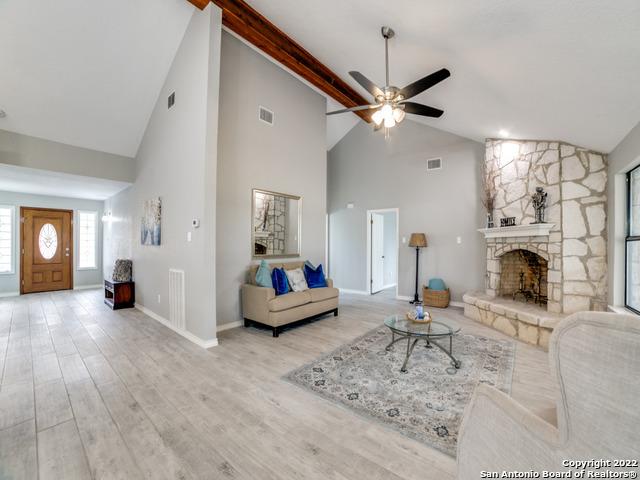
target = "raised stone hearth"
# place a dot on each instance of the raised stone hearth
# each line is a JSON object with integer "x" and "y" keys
{"x": 526, "y": 321}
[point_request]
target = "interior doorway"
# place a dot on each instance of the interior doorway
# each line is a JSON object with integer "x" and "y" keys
{"x": 46, "y": 260}
{"x": 382, "y": 249}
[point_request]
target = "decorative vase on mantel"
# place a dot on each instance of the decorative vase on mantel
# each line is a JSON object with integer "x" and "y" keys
{"x": 490, "y": 223}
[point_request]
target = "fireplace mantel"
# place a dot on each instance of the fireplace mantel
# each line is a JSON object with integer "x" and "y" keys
{"x": 530, "y": 230}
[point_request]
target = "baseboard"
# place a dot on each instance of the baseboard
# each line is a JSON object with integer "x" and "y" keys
{"x": 408, "y": 299}
{"x": 188, "y": 335}
{"x": 9, "y": 294}
{"x": 391, "y": 285}
{"x": 229, "y": 326}
{"x": 87, "y": 287}
{"x": 355, "y": 292}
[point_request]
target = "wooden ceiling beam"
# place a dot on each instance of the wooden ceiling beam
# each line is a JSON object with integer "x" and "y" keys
{"x": 243, "y": 20}
{"x": 201, "y": 4}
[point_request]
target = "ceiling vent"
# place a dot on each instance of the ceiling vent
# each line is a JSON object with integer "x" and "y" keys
{"x": 265, "y": 115}
{"x": 434, "y": 164}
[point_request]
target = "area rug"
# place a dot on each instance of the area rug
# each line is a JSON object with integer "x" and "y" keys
{"x": 425, "y": 403}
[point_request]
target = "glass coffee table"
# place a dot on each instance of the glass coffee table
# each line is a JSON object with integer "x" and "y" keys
{"x": 403, "y": 328}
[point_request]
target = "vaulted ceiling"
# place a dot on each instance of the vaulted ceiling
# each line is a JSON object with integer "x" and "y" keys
{"x": 547, "y": 69}
{"x": 86, "y": 73}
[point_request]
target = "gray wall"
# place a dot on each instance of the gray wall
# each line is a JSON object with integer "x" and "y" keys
{"x": 288, "y": 157}
{"x": 623, "y": 158}
{"x": 32, "y": 152}
{"x": 177, "y": 162}
{"x": 10, "y": 283}
{"x": 391, "y": 243}
{"x": 375, "y": 173}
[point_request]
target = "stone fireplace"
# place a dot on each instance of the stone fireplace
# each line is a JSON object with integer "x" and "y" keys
{"x": 538, "y": 273}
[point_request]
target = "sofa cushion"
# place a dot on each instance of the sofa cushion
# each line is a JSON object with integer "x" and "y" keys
{"x": 315, "y": 276}
{"x": 320, "y": 294}
{"x": 289, "y": 300}
{"x": 263, "y": 275}
{"x": 297, "y": 282}
{"x": 280, "y": 281}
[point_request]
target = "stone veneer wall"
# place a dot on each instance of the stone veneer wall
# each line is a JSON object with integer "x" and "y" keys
{"x": 575, "y": 180}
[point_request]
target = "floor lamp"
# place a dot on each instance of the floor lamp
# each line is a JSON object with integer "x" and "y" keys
{"x": 417, "y": 240}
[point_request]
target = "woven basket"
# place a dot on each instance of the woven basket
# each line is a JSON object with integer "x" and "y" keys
{"x": 435, "y": 298}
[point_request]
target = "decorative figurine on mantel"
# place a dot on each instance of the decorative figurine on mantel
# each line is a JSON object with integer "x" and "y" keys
{"x": 539, "y": 204}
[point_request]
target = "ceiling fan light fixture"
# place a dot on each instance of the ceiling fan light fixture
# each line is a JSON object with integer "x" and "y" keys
{"x": 389, "y": 122}
{"x": 377, "y": 117}
{"x": 398, "y": 114}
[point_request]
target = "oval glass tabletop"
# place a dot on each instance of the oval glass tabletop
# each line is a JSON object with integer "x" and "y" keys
{"x": 437, "y": 328}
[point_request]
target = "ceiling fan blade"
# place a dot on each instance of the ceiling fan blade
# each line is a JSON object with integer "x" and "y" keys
{"x": 367, "y": 84}
{"x": 353, "y": 109}
{"x": 425, "y": 83}
{"x": 419, "y": 109}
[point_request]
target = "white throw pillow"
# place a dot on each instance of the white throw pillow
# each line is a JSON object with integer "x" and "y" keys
{"x": 296, "y": 280}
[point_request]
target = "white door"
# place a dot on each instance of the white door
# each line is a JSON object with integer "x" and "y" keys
{"x": 377, "y": 252}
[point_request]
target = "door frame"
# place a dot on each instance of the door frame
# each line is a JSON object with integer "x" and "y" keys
{"x": 368, "y": 251}
{"x": 21, "y": 247}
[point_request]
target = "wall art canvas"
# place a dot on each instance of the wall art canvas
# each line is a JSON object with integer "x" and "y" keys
{"x": 151, "y": 227}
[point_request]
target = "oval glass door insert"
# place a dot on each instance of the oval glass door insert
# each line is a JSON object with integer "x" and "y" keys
{"x": 48, "y": 241}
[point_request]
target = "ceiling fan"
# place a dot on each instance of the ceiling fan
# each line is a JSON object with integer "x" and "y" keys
{"x": 391, "y": 102}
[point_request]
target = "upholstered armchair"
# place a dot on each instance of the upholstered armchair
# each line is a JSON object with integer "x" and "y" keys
{"x": 595, "y": 360}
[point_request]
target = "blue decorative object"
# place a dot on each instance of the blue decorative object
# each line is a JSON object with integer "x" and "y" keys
{"x": 280, "y": 281}
{"x": 436, "y": 284}
{"x": 263, "y": 275}
{"x": 315, "y": 276}
{"x": 419, "y": 312}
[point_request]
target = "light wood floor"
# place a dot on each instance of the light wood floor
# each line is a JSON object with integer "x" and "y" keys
{"x": 90, "y": 393}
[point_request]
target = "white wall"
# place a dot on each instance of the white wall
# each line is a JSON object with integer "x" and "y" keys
{"x": 288, "y": 157}
{"x": 177, "y": 162}
{"x": 32, "y": 152}
{"x": 623, "y": 158}
{"x": 375, "y": 173}
{"x": 10, "y": 283}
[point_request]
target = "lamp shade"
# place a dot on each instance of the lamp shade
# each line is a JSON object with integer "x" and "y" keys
{"x": 418, "y": 240}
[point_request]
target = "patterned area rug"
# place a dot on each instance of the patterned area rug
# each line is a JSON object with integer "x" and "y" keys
{"x": 427, "y": 402}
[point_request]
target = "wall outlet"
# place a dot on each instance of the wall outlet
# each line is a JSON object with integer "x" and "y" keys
{"x": 158, "y": 298}
{"x": 458, "y": 240}
{"x": 404, "y": 239}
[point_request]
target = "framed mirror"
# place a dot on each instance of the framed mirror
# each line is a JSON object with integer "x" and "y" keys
{"x": 275, "y": 224}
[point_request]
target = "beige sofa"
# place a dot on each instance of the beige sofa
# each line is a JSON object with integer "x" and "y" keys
{"x": 261, "y": 305}
{"x": 595, "y": 359}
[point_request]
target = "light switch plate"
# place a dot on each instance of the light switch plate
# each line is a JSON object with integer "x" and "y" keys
{"x": 188, "y": 236}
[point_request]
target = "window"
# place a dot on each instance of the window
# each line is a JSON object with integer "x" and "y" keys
{"x": 632, "y": 278}
{"x": 87, "y": 240}
{"x": 6, "y": 239}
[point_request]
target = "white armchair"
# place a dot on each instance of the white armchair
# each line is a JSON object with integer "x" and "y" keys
{"x": 595, "y": 360}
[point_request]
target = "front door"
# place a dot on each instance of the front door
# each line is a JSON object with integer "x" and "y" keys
{"x": 47, "y": 250}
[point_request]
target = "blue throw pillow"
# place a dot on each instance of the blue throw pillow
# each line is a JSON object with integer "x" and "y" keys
{"x": 280, "y": 282}
{"x": 436, "y": 284}
{"x": 263, "y": 275}
{"x": 315, "y": 276}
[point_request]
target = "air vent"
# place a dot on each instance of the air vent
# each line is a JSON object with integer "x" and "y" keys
{"x": 171, "y": 100}
{"x": 434, "y": 164}
{"x": 265, "y": 115}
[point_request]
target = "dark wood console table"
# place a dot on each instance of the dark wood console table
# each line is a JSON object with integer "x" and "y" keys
{"x": 119, "y": 295}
